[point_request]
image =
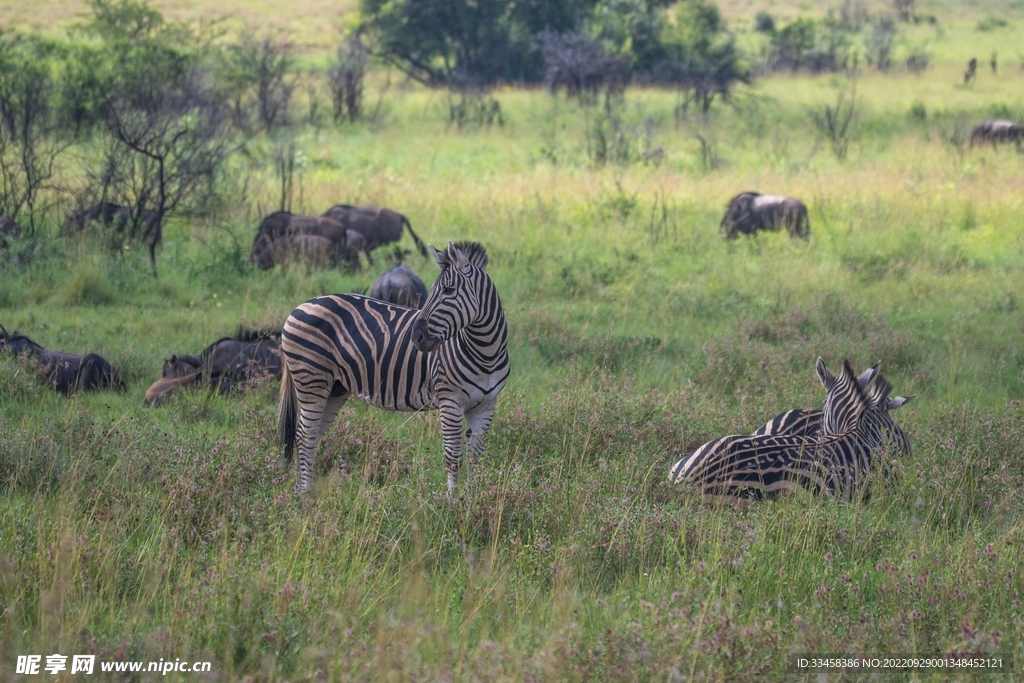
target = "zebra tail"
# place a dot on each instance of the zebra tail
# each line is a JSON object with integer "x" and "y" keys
{"x": 286, "y": 413}
{"x": 415, "y": 237}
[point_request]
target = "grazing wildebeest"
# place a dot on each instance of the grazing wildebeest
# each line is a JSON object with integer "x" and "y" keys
{"x": 378, "y": 226}
{"x": 68, "y": 373}
{"x": 138, "y": 223}
{"x": 229, "y": 360}
{"x": 996, "y": 132}
{"x": 400, "y": 286}
{"x": 8, "y": 228}
{"x": 281, "y": 224}
{"x": 313, "y": 250}
{"x": 749, "y": 212}
{"x": 162, "y": 389}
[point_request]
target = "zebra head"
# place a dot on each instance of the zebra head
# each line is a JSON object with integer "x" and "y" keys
{"x": 455, "y": 300}
{"x": 846, "y": 401}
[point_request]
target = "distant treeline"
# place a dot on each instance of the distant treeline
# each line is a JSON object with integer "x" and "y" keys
{"x": 157, "y": 111}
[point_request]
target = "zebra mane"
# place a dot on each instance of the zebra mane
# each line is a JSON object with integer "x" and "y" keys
{"x": 9, "y": 338}
{"x": 475, "y": 252}
{"x": 247, "y": 335}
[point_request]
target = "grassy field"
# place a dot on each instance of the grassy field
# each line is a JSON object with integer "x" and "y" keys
{"x": 637, "y": 334}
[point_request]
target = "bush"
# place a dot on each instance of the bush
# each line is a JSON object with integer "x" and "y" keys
{"x": 918, "y": 60}
{"x": 86, "y": 284}
{"x": 805, "y": 44}
{"x": 764, "y": 23}
{"x": 991, "y": 23}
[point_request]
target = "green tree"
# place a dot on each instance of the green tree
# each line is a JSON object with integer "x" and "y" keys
{"x": 703, "y": 59}
{"x": 470, "y": 42}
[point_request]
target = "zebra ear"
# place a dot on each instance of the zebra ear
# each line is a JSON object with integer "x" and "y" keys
{"x": 897, "y": 401}
{"x": 865, "y": 379}
{"x": 458, "y": 258}
{"x": 442, "y": 259}
{"x": 826, "y": 377}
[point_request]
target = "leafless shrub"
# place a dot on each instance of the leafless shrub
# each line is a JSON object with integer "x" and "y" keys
{"x": 346, "y": 80}
{"x": 30, "y": 143}
{"x": 918, "y": 60}
{"x": 836, "y": 122}
{"x": 880, "y": 43}
{"x": 958, "y": 138}
{"x": 288, "y": 161}
{"x": 577, "y": 64}
{"x": 260, "y": 77}
{"x": 163, "y": 157}
{"x": 702, "y": 131}
{"x": 906, "y": 10}
{"x": 853, "y": 14}
{"x": 470, "y": 102}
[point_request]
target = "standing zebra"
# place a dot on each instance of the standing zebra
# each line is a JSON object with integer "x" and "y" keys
{"x": 450, "y": 355}
{"x": 837, "y": 462}
{"x": 809, "y": 422}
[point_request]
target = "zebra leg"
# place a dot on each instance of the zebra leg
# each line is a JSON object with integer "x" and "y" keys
{"x": 478, "y": 421}
{"x": 307, "y": 437}
{"x": 451, "y": 431}
{"x": 334, "y": 404}
{"x": 314, "y": 420}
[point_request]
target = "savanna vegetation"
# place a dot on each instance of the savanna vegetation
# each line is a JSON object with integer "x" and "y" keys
{"x": 636, "y": 334}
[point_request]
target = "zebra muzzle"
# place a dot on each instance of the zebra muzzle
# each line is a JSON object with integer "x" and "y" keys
{"x": 422, "y": 338}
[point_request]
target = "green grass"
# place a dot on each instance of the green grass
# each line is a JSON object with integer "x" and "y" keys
{"x": 637, "y": 334}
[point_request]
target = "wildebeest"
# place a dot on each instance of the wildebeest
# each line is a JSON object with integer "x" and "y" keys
{"x": 312, "y": 250}
{"x": 162, "y": 389}
{"x": 281, "y": 224}
{"x": 400, "y": 286}
{"x": 137, "y": 223}
{"x": 229, "y": 360}
{"x": 68, "y": 373}
{"x": 8, "y": 228}
{"x": 749, "y": 212}
{"x": 378, "y": 226}
{"x": 996, "y": 132}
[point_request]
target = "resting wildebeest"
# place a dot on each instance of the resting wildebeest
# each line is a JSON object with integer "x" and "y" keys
{"x": 66, "y": 372}
{"x": 400, "y": 286}
{"x": 996, "y": 132}
{"x": 139, "y": 224}
{"x": 749, "y": 212}
{"x": 281, "y": 224}
{"x": 229, "y": 360}
{"x": 8, "y": 228}
{"x": 162, "y": 389}
{"x": 378, "y": 226}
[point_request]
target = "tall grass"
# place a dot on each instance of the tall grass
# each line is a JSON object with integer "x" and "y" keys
{"x": 637, "y": 334}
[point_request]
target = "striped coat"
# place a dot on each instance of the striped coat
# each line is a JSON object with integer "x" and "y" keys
{"x": 809, "y": 422}
{"x": 451, "y": 356}
{"x": 759, "y": 465}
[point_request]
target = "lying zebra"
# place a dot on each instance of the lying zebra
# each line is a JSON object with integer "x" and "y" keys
{"x": 837, "y": 461}
{"x": 809, "y": 422}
